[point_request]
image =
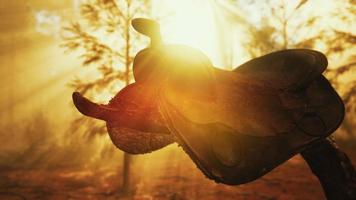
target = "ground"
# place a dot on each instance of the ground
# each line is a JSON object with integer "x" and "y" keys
{"x": 169, "y": 175}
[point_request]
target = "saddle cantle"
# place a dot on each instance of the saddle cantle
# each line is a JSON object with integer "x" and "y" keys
{"x": 235, "y": 125}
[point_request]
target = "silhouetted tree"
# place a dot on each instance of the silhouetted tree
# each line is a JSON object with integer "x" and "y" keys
{"x": 108, "y": 44}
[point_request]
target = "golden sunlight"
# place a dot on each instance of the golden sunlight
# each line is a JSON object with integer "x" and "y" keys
{"x": 190, "y": 23}
{"x": 197, "y": 24}
{"x": 50, "y": 49}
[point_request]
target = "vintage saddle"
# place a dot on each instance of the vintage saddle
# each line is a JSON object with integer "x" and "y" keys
{"x": 235, "y": 125}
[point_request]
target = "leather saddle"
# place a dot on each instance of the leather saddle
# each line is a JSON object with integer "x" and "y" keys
{"x": 235, "y": 125}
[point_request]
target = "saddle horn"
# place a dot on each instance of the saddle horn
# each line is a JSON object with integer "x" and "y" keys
{"x": 149, "y": 28}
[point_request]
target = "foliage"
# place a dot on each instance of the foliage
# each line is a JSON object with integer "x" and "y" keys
{"x": 107, "y": 44}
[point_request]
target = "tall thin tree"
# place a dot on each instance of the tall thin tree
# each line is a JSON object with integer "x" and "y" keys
{"x": 107, "y": 44}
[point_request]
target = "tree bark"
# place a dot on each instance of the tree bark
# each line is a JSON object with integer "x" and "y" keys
{"x": 333, "y": 169}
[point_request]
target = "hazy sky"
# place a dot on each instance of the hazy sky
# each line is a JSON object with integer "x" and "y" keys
{"x": 34, "y": 69}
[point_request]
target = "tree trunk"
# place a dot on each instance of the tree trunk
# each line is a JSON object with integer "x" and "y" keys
{"x": 127, "y": 157}
{"x": 126, "y": 173}
{"x": 333, "y": 169}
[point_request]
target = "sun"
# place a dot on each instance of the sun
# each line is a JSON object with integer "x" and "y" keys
{"x": 207, "y": 25}
{"x": 191, "y": 23}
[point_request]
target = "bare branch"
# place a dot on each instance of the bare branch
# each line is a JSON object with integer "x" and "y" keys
{"x": 301, "y": 3}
